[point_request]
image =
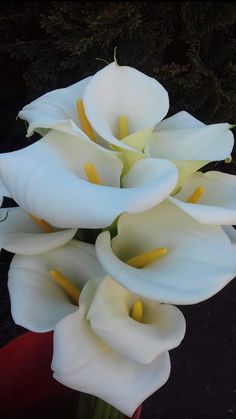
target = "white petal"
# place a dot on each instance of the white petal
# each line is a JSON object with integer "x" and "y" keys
{"x": 37, "y": 302}
{"x": 3, "y": 192}
{"x": 147, "y": 170}
{"x": 48, "y": 180}
{"x": 180, "y": 120}
{"x": 186, "y": 168}
{"x": 162, "y": 327}
{"x": 200, "y": 260}
{"x": 53, "y": 108}
{"x": 19, "y": 234}
{"x": 83, "y": 362}
{"x": 152, "y": 179}
{"x": 191, "y": 141}
{"x": 217, "y": 204}
{"x": 121, "y": 90}
{"x": 231, "y": 233}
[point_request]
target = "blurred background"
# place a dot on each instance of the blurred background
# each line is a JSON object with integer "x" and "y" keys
{"x": 190, "y": 48}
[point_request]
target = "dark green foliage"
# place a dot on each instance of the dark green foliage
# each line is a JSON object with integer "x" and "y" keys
{"x": 189, "y": 47}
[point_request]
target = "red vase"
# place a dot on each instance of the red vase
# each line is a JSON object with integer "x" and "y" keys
{"x": 27, "y": 387}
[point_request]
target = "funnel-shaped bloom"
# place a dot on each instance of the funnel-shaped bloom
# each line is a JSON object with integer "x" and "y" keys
{"x": 189, "y": 143}
{"x": 37, "y": 302}
{"x": 102, "y": 351}
{"x": 57, "y": 107}
{"x": 120, "y": 90}
{"x": 217, "y": 203}
{"x": 20, "y": 234}
{"x": 199, "y": 260}
{"x": 113, "y": 92}
{"x": 49, "y": 179}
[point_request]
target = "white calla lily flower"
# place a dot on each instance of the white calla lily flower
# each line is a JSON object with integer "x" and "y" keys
{"x": 113, "y": 92}
{"x": 196, "y": 260}
{"x": 189, "y": 143}
{"x": 50, "y": 179}
{"x": 54, "y": 108}
{"x": 20, "y": 234}
{"x": 162, "y": 326}
{"x": 217, "y": 203}
{"x": 102, "y": 351}
{"x": 124, "y": 91}
{"x": 37, "y": 301}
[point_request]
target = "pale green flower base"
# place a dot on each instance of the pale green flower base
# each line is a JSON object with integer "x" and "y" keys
{"x": 91, "y": 407}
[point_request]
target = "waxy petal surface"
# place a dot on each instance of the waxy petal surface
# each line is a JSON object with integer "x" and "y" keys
{"x": 53, "y": 108}
{"x": 231, "y": 233}
{"x": 199, "y": 262}
{"x": 37, "y": 302}
{"x": 19, "y": 234}
{"x": 82, "y": 361}
{"x": 183, "y": 137}
{"x": 48, "y": 180}
{"x": 217, "y": 204}
{"x": 120, "y": 90}
{"x": 3, "y": 192}
{"x": 162, "y": 326}
{"x": 189, "y": 143}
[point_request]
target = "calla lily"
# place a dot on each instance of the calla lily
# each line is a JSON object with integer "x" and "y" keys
{"x": 57, "y": 107}
{"x": 110, "y": 320}
{"x": 50, "y": 180}
{"x": 38, "y": 302}
{"x": 217, "y": 203}
{"x": 113, "y": 92}
{"x": 102, "y": 351}
{"x": 20, "y": 234}
{"x": 197, "y": 260}
{"x": 189, "y": 143}
{"x": 129, "y": 93}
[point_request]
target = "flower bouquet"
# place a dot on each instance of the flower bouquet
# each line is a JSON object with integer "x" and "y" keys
{"x": 115, "y": 224}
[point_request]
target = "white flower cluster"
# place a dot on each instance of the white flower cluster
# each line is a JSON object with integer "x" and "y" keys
{"x": 107, "y": 160}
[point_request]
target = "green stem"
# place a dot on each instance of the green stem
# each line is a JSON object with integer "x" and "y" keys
{"x": 85, "y": 406}
{"x": 91, "y": 407}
